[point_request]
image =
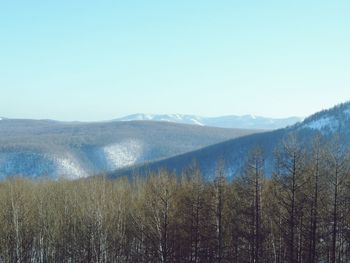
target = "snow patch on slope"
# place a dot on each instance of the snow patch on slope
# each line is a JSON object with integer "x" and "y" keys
{"x": 68, "y": 167}
{"x": 319, "y": 124}
{"x": 123, "y": 154}
{"x": 323, "y": 123}
{"x": 197, "y": 122}
{"x": 177, "y": 116}
{"x": 145, "y": 117}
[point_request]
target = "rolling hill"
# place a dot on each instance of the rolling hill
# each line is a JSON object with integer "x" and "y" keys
{"x": 74, "y": 149}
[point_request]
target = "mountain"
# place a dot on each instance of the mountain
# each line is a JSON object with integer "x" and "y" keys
{"x": 234, "y": 152}
{"x": 75, "y": 149}
{"x": 176, "y": 118}
{"x": 231, "y": 121}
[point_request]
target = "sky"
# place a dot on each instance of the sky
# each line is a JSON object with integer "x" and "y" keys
{"x": 99, "y": 60}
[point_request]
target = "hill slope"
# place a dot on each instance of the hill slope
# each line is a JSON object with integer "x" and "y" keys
{"x": 235, "y": 151}
{"x": 45, "y": 147}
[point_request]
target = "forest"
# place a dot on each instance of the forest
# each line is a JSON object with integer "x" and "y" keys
{"x": 299, "y": 213}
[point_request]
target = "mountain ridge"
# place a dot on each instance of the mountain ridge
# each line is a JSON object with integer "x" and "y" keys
{"x": 234, "y": 152}
{"x": 248, "y": 121}
{"x": 79, "y": 149}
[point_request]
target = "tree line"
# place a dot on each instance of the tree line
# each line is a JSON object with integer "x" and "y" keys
{"x": 299, "y": 213}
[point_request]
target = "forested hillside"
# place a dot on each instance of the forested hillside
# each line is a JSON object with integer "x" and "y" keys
{"x": 234, "y": 152}
{"x": 36, "y": 148}
{"x": 299, "y": 213}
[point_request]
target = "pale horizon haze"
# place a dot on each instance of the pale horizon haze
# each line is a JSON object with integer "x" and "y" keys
{"x": 100, "y": 60}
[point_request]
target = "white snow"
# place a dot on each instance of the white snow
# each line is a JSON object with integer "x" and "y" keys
{"x": 123, "y": 154}
{"x": 137, "y": 117}
{"x": 325, "y": 122}
{"x": 67, "y": 166}
{"x": 233, "y": 121}
{"x": 147, "y": 117}
{"x": 177, "y": 116}
{"x": 197, "y": 122}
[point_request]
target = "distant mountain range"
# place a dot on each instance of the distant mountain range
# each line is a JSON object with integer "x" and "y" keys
{"x": 234, "y": 152}
{"x": 231, "y": 121}
{"x": 36, "y": 148}
{"x": 72, "y": 149}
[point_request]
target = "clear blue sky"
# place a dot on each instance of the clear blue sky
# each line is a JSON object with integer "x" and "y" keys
{"x": 96, "y": 60}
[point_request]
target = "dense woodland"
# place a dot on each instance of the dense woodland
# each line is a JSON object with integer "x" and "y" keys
{"x": 299, "y": 213}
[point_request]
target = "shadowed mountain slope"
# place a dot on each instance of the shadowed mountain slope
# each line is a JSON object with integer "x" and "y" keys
{"x": 234, "y": 152}
{"x": 50, "y": 148}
